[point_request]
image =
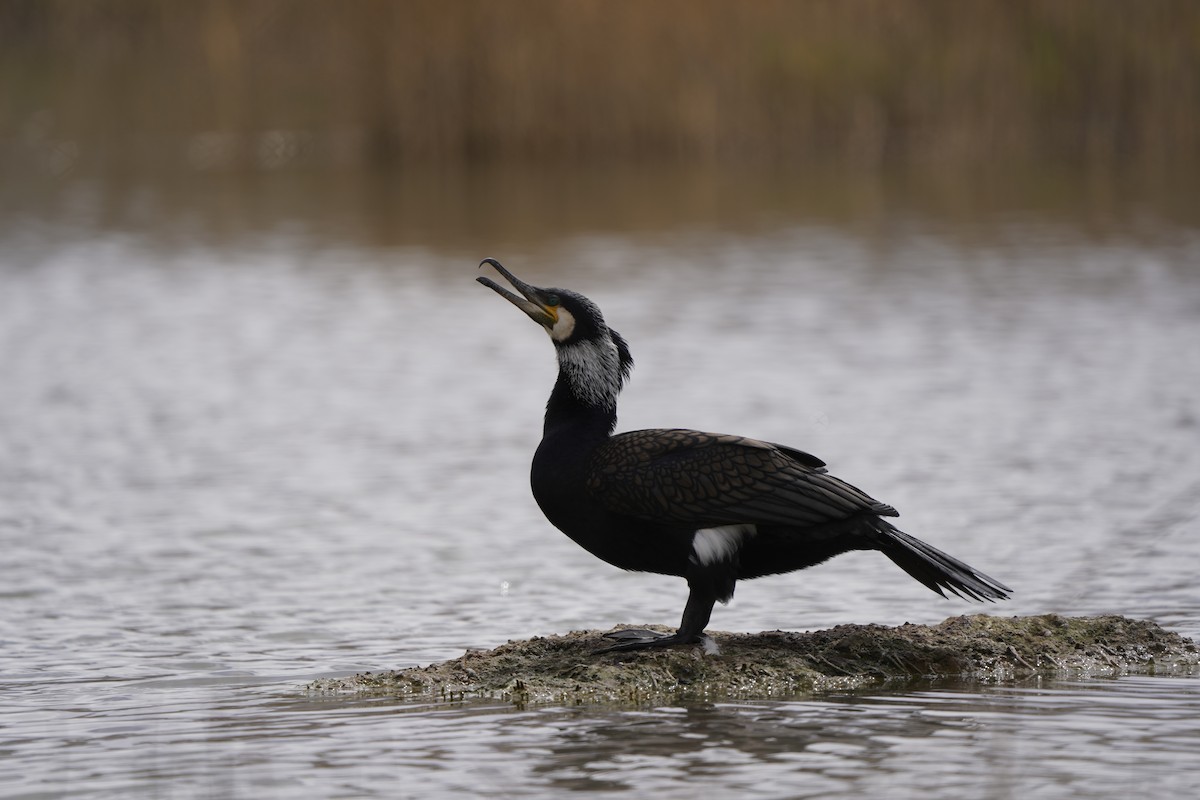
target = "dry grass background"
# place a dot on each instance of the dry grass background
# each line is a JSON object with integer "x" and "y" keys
{"x": 151, "y": 85}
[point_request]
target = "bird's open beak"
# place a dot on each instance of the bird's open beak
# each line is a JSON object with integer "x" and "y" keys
{"x": 531, "y": 303}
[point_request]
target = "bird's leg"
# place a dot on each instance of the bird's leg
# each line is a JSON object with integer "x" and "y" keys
{"x": 691, "y": 629}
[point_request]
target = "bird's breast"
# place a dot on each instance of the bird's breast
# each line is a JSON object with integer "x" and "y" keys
{"x": 559, "y": 481}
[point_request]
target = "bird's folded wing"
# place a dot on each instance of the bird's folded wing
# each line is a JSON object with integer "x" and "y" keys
{"x": 685, "y": 476}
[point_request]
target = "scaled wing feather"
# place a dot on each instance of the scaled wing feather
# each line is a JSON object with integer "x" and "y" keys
{"x": 691, "y": 477}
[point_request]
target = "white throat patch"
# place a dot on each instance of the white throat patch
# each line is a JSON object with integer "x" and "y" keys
{"x": 593, "y": 370}
{"x": 563, "y": 327}
{"x": 710, "y": 545}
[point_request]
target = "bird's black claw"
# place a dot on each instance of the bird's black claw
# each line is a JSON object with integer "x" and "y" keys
{"x": 635, "y": 633}
{"x": 640, "y": 639}
{"x": 641, "y": 644}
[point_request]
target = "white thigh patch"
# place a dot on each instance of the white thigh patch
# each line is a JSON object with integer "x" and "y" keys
{"x": 710, "y": 545}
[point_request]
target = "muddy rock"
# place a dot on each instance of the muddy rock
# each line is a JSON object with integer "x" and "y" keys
{"x": 567, "y": 669}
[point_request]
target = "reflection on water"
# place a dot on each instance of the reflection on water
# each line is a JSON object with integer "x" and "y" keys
{"x": 1057, "y": 739}
{"x": 231, "y": 468}
{"x": 955, "y": 741}
{"x": 512, "y": 209}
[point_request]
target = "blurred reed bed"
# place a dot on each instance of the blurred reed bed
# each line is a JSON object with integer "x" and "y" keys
{"x": 230, "y": 85}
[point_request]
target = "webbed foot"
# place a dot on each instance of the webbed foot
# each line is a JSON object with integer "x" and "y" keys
{"x": 642, "y": 639}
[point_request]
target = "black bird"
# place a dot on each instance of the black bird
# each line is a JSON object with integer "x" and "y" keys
{"x": 708, "y": 507}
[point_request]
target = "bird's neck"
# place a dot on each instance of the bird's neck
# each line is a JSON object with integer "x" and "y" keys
{"x": 569, "y": 414}
{"x": 584, "y": 400}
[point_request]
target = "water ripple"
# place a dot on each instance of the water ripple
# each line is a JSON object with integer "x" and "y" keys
{"x": 227, "y": 474}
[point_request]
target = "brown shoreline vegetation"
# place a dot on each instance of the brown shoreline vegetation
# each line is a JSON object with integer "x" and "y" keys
{"x": 567, "y": 670}
{"x": 253, "y": 84}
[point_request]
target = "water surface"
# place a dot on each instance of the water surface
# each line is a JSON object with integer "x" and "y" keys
{"x": 236, "y": 464}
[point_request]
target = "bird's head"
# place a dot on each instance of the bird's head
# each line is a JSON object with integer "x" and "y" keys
{"x": 567, "y": 316}
{"x": 585, "y": 344}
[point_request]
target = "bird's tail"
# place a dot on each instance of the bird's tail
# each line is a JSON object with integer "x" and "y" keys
{"x": 934, "y": 568}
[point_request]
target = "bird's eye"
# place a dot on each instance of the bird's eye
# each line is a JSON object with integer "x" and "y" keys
{"x": 551, "y": 300}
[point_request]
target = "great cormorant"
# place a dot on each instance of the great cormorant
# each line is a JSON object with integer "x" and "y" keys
{"x": 711, "y": 508}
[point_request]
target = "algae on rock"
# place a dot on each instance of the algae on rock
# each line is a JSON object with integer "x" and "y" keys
{"x": 566, "y": 669}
